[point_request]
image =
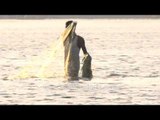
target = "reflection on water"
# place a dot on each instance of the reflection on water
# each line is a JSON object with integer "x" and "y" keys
{"x": 125, "y": 62}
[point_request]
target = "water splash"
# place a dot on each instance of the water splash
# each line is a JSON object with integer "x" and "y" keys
{"x": 48, "y": 64}
{"x": 44, "y": 65}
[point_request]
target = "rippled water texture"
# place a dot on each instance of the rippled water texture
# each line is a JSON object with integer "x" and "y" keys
{"x": 125, "y": 53}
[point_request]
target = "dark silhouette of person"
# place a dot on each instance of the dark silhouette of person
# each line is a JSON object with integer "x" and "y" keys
{"x": 72, "y": 46}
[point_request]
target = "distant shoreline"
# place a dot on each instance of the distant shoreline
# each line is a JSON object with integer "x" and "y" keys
{"x": 79, "y": 16}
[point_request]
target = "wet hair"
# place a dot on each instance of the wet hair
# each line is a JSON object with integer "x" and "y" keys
{"x": 68, "y": 23}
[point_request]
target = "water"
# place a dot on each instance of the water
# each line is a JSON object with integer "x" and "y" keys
{"x": 125, "y": 53}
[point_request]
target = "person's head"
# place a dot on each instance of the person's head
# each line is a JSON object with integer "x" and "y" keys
{"x": 74, "y": 25}
{"x": 68, "y": 23}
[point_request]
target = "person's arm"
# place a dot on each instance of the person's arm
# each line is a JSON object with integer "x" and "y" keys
{"x": 83, "y": 46}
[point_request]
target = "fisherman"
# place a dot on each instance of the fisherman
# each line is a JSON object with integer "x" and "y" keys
{"x": 72, "y": 46}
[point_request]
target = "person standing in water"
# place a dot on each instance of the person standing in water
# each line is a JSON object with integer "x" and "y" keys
{"x": 72, "y": 46}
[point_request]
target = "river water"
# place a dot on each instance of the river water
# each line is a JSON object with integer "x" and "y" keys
{"x": 125, "y": 62}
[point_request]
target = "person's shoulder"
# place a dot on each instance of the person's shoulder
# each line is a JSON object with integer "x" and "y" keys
{"x": 80, "y": 37}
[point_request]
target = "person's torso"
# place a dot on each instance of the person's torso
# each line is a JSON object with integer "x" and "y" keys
{"x": 71, "y": 48}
